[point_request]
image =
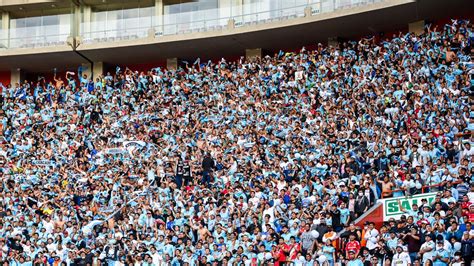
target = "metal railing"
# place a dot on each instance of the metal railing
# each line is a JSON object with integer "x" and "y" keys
{"x": 33, "y": 37}
{"x": 176, "y": 24}
{"x": 424, "y": 189}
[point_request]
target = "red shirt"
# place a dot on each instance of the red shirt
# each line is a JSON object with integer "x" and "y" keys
{"x": 465, "y": 205}
{"x": 294, "y": 249}
{"x": 284, "y": 247}
{"x": 471, "y": 217}
{"x": 353, "y": 245}
{"x": 279, "y": 256}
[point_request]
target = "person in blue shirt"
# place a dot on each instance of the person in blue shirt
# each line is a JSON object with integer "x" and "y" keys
{"x": 279, "y": 161}
{"x": 454, "y": 231}
{"x": 177, "y": 261}
{"x": 169, "y": 248}
{"x": 345, "y": 214}
{"x": 441, "y": 256}
{"x": 330, "y": 252}
{"x": 189, "y": 257}
{"x": 353, "y": 260}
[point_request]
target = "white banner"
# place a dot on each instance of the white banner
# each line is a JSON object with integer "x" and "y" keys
{"x": 115, "y": 151}
{"x": 132, "y": 146}
{"x": 42, "y": 162}
{"x": 127, "y": 147}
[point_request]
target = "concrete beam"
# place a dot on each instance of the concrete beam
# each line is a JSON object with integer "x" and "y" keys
{"x": 251, "y": 53}
{"x": 308, "y": 11}
{"x": 4, "y": 32}
{"x": 172, "y": 63}
{"x": 5, "y": 20}
{"x": 17, "y": 76}
{"x": 24, "y": 2}
{"x": 75, "y": 25}
{"x": 418, "y": 27}
{"x": 159, "y": 16}
{"x": 333, "y": 41}
{"x": 86, "y": 19}
{"x": 98, "y": 69}
{"x": 231, "y": 23}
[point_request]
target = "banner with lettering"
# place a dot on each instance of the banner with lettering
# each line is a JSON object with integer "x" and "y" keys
{"x": 42, "y": 162}
{"x": 115, "y": 151}
{"x": 134, "y": 145}
{"x": 391, "y": 207}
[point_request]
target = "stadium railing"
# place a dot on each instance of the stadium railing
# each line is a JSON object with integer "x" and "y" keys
{"x": 174, "y": 24}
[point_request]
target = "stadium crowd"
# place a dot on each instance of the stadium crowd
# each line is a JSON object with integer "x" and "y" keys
{"x": 265, "y": 161}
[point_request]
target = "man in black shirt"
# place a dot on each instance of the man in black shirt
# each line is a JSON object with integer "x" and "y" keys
{"x": 2, "y": 212}
{"x": 89, "y": 256}
{"x": 187, "y": 172}
{"x": 207, "y": 166}
{"x": 336, "y": 218}
{"x": 352, "y": 230}
{"x": 81, "y": 261}
{"x": 179, "y": 172}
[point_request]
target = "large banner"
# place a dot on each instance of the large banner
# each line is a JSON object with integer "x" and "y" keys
{"x": 42, "y": 162}
{"x": 127, "y": 147}
{"x": 391, "y": 207}
{"x": 134, "y": 145}
{"x": 115, "y": 151}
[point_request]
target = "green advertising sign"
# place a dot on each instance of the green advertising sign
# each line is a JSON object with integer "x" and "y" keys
{"x": 391, "y": 207}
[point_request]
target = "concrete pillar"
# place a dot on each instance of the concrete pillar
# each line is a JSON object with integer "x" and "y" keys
{"x": 237, "y": 11}
{"x": 308, "y": 11}
{"x": 418, "y": 27}
{"x": 250, "y": 53}
{"x": 172, "y": 63}
{"x": 4, "y": 32}
{"x": 225, "y": 8}
{"x": 86, "y": 20}
{"x": 93, "y": 71}
{"x": 17, "y": 76}
{"x": 159, "y": 17}
{"x": 151, "y": 33}
{"x": 76, "y": 22}
{"x": 5, "y": 20}
{"x": 333, "y": 41}
{"x": 98, "y": 69}
{"x": 231, "y": 23}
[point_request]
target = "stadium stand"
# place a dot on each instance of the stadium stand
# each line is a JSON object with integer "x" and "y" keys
{"x": 259, "y": 161}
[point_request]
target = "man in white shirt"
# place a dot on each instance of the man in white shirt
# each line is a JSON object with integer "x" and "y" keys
{"x": 269, "y": 211}
{"x": 48, "y": 224}
{"x": 427, "y": 249}
{"x": 401, "y": 258}
{"x": 467, "y": 150}
{"x": 372, "y": 237}
{"x": 470, "y": 195}
{"x": 448, "y": 197}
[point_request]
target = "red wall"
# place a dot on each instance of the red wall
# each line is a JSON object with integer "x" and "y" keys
{"x": 49, "y": 76}
{"x": 376, "y": 216}
{"x": 5, "y": 77}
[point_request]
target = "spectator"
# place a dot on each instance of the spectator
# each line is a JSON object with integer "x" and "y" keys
{"x": 255, "y": 161}
{"x": 401, "y": 257}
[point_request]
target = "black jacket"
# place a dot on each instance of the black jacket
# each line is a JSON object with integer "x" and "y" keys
{"x": 207, "y": 164}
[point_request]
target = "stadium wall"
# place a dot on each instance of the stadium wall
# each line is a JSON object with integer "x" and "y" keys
{"x": 5, "y": 78}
